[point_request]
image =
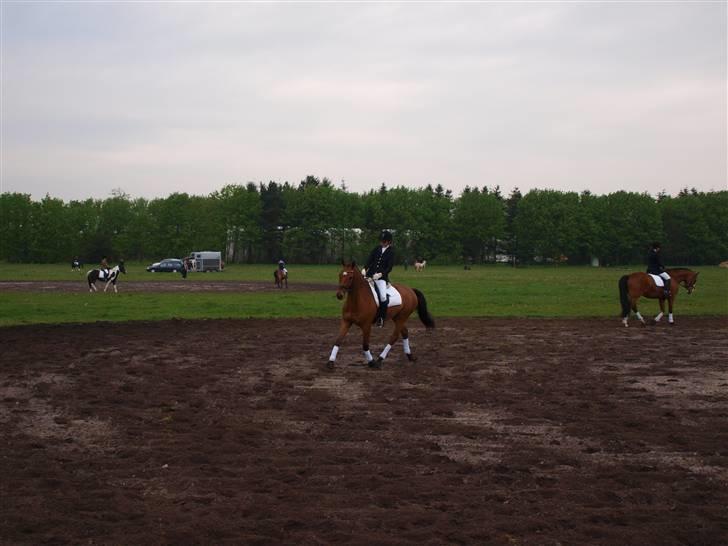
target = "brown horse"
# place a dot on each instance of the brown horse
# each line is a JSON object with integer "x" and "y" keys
{"x": 280, "y": 277}
{"x": 636, "y": 285}
{"x": 361, "y": 309}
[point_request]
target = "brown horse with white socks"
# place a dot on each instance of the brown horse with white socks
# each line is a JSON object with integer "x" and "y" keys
{"x": 361, "y": 309}
{"x": 636, "y": 285}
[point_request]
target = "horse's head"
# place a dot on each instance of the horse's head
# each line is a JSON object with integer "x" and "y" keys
{"x": 346, "y": 278}
{"x": 689, "y": 281}
{"x": 121, "y": 267}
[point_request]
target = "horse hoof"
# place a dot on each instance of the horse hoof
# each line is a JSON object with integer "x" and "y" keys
{"x": 411, "y": 358}
{"x": 376, "y": 364}
{"x": 330, "y": 365}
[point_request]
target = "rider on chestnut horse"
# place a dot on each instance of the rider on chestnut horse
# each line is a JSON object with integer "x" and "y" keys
{"x": 377, "y": 268}
{"x": 655, "y": 267}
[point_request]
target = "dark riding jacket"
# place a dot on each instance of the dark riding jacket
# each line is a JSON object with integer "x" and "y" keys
{"x": 380, "y": 262}
{"x": 654, "y": 263}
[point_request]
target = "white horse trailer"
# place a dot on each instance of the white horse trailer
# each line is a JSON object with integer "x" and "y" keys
{"x": 206, "y": 261}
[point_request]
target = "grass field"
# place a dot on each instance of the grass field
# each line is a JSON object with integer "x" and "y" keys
{"x": 496, "y": 291}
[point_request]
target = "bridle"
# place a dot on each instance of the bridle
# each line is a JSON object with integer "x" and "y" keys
{"x": 343, "y": 288}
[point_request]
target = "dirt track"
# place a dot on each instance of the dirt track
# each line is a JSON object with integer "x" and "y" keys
{"x": 504, "y": 432}
{"x": 159, "y": 286}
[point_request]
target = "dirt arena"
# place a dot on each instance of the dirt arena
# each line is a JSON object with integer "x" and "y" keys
{"x": 159, "y": 286}
{"x": 539, "y": 432}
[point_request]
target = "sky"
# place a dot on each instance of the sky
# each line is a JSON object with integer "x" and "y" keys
{"x": 154, "y": 98}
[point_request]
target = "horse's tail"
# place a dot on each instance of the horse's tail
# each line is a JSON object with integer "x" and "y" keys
{"x": 422, "y": 311}
{"x": 624, "y": 295}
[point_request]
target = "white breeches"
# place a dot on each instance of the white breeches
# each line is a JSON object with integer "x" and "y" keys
{"x": 381, "y": 289}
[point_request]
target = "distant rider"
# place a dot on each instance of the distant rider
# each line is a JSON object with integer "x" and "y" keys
{"x": 104, "y": 266}
{"x": 655, "y": 267}
{"x": 379, "y": 264}
{"x": 282, "y": 266}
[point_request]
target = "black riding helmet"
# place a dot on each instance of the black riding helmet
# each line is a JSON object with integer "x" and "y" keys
{"x": 385, "y": 236}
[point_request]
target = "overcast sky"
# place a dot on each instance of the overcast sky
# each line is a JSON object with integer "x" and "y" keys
{"x": 155, "y": 98}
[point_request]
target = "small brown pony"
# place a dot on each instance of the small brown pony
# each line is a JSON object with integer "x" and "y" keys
{"x": 636, "y": 285}
{"x": 360, "y": 309}
{"x": 280, "y": 277}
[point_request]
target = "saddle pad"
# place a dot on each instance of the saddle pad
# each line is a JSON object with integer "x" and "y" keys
{"x": 659, "y": 281}
{"x": 395, "y": 298}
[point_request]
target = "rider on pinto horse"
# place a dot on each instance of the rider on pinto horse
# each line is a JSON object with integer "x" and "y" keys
{"x": 655, "y": 267}
{"x": 378, "y": 266}
{"x": 104, "y": 266}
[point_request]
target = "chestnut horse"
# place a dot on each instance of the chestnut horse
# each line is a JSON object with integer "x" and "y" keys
{"x": 280, "y": 277}
{"x": 361, "y": 309}
{"x": 636, "y": 285}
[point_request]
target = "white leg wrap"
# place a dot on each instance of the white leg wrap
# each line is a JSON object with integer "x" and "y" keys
{"x": 386, "y": 350}
{"x": 334, "y": 352}
{"x": 405, "y": 344}
{"x": 639, "y": 317}
{"x": 658, "y": 318}
{"x": 669, "y": 318}
{"x": 368, "y": 356}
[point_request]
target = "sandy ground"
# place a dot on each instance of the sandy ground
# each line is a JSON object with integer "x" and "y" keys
{"x": 503, "y": 432}
{"x": 188, "y": 285}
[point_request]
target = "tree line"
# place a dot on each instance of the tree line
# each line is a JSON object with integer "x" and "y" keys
{"x": 319, "y": 222}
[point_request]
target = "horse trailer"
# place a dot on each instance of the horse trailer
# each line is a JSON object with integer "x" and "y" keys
{"x": 206, "y": 261}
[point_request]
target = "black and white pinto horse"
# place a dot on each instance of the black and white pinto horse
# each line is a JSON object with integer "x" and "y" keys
{"x": 100, "y": 275}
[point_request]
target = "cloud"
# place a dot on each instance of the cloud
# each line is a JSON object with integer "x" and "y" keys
{"x": 159, "y": 97}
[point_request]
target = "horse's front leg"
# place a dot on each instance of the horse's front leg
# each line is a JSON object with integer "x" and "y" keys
{"x": 343, "y": 330}
{"x": 115, "y": 289}
{"x": 106, "y": 285}
{"x": 366, "y": 332}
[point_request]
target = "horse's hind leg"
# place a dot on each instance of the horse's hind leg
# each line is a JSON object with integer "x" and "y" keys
{"x": 670, "y": 319}
{"x": 392, "y": 340}
{"x": 661, "y": 314}
{"x": 406, "y": 345}
{"x": 637, "y": 313}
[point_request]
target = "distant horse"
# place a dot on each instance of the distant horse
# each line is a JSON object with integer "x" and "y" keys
{"x": 636, "y": 285}
{"x": 420, "y": 266}
{"x": 76, "y": 265}
{"x": 281, "y": 276}
{"x": 95, "y": 275}
{"x": 361, "y": 309}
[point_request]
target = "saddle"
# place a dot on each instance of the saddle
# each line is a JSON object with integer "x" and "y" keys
{"x": 659, "y": 281}
{"x": 395, "y": 298}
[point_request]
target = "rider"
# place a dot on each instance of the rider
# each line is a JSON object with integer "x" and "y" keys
{"x": 104, "y": 266}
{"x": 378, "y": 266}
{"x": 655, "y": 267}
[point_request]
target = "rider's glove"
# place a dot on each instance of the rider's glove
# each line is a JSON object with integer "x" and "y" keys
{"x": 363, "y": 272}
{"x": 377, "y": 276}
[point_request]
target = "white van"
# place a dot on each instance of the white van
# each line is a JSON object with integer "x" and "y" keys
{"x": 206, "y": 261}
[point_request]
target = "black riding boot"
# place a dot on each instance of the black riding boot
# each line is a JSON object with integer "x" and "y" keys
{"x": 382, "y": 314}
